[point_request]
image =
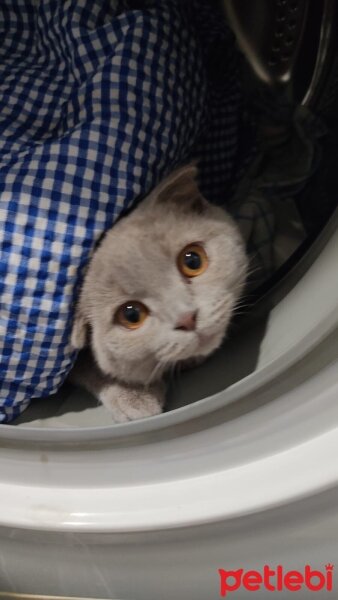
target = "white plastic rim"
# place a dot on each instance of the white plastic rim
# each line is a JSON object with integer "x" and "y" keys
{"x": 270, "y": 482}
{"x": 197, "y": 464}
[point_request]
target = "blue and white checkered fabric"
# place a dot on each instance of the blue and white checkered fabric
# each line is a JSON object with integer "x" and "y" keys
{"x": 98, "y": 99}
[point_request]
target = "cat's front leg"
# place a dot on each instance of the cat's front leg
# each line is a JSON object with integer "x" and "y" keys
{"x": 127, "y": 403}
{"x": 124, "y": 402}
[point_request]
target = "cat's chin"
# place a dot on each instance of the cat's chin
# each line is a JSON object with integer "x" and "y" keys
{"x": 205, "y": 345}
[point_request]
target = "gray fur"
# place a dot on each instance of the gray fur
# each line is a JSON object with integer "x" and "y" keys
{"x": 137, "y": 261}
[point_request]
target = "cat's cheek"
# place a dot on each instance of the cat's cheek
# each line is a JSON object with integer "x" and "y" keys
{"x": 228, "y": 261}
{"x": 213, "y": 345}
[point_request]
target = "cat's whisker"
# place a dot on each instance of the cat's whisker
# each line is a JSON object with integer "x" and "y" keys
{"x": 179, "y": 367}
{"x": 154, "y": 372}
{"x": 172, "y": 371}
{"x": 241, "y": 306}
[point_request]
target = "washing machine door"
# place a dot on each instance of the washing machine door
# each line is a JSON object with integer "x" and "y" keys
{"x": 243, "y": 479}
{"x": 222, "y": 496}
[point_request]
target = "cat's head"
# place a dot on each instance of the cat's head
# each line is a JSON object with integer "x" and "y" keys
{"x": 162, "y": 285}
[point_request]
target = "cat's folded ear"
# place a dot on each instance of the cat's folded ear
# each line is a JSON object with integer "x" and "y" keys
{"x": 181, "y": 188}
{"x": 80, "y": 331}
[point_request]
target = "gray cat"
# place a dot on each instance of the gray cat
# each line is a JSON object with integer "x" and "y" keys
{"x": 160, "y": 289}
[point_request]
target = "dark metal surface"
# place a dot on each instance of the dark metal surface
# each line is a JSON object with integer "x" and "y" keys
{"x": 286, "y": 42}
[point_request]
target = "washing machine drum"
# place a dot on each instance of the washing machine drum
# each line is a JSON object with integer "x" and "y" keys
{"x": 240, "y": 471}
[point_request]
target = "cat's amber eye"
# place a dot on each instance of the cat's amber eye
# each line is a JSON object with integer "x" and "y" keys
{"x": 192, "y": 260}
{"x": 131, "y": 315}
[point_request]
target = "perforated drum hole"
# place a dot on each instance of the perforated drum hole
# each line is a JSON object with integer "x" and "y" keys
{"x": 294, "y": 6}
{"x": 279, "y": 32}
{"x": 276, "y": 49}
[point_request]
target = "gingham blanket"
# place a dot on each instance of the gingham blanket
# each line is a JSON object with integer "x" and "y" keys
{"x": 98, "y": 100}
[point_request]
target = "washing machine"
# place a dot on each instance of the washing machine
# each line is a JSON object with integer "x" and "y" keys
{"x": 240, "y": 474}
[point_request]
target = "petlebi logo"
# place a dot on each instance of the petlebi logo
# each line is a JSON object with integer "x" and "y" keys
{"x": 276, "y": 579}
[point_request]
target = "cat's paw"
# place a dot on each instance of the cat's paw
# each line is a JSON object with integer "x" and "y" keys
{"x": 130, "y": 404}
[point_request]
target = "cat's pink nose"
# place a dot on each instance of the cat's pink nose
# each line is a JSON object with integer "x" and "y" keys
{"x": 187, "y": 322}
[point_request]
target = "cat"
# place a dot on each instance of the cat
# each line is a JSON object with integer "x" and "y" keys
{"x": 160, "y": 289}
